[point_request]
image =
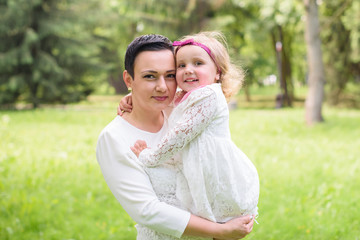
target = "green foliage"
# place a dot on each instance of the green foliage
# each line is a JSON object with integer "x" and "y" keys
{"x": 61, "y": 50}
{"x": 254, "y": 29}
{"x": 351, "y": 13}
{"x": 337, "y": 48}
{"x": 51, "y": 186}
{"x": 45, "y": 52}
{"x": 254, "y": 26}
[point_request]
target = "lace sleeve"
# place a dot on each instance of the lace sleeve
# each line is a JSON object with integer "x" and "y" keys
{"x": 196, "y": 117}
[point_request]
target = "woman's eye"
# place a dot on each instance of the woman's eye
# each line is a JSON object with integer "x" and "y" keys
{"x": 149, "y": 76}
{"x": 171, "y": 76}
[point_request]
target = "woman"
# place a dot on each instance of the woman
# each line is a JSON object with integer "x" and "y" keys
{"x": 148, "y": 194}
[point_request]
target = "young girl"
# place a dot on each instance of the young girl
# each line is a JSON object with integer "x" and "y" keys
{"x": 215, "y": 180}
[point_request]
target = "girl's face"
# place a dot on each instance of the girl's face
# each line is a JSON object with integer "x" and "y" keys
{"x": 194, "y": 68}
{"x": 154, "y": 85}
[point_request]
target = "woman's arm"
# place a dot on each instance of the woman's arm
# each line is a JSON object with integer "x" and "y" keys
{"x": 196, "y": 117}
{"x": 132, "y": 188}
{"x": 234, "y": 229}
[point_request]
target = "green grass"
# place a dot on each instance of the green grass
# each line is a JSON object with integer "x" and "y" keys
{"x": 309, "y": 176}
{"x": 51, "y": 186}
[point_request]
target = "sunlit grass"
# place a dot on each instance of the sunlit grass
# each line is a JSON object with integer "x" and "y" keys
{"x": 309, "y": 175}
{"x": 51, "y": 186}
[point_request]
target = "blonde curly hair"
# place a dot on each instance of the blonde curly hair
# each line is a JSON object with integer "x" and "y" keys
{"x": 232, "y": 76}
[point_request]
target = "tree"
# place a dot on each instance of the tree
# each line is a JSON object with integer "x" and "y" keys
{"x": 45, "y": 52}
{"x": 281, "y": 19}
{"x": 341, "y": 52}
{"x": 316, "y": 78}
{"x": 263, "y": 26}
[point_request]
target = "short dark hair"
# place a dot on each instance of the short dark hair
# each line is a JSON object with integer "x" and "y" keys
{"x": 150, "y": 42}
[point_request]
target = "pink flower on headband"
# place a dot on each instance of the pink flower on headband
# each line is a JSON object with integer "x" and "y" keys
{"x": 191, "y": 41}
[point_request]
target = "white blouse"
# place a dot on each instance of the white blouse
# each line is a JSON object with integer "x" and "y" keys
{"x": 147, "y": 195}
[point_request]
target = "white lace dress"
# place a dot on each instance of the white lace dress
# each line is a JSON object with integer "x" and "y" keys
{"x": 164, "y": 183}
{"x": 216, "y": 180}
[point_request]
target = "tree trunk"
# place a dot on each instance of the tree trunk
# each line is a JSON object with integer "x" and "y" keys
{"x": 118, "y": 84}
{"x": 247, "y": 93}
{"x": 284, "y": 98}
{"x": 314, "y": 99}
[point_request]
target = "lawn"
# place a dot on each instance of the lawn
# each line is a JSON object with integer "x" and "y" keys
{"x": 51, "y": 186}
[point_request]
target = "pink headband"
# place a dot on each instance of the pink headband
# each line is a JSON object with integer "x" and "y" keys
{"x": 191, "y": 41}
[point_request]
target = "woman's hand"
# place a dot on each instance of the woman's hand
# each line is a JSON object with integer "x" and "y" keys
{"x": 138, "y": 147}
{"x": 125, "y": 105}
{"x": 237, "y": 228}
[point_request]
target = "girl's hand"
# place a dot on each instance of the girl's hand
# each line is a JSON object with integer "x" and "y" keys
{"x": 138, "y": 147}
{"x": 238, "y": 227}
{"x": 125, "y": 105}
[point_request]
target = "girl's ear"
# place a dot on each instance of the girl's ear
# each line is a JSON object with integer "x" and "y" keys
{"x": 127, "y": 79}
{"x": 217, "y": 77}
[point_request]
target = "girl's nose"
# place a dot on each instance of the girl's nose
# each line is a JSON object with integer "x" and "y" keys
{"x": 189, "y": 70}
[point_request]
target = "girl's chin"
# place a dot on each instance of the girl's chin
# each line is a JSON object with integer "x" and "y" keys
{"x": 189, "y": 86}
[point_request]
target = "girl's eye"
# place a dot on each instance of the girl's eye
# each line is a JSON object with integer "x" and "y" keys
{"x": 181, "y": 65}
{"x": 198, "y": 63}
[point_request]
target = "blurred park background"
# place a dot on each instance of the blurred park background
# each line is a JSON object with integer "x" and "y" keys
{"x": 297, "y": 116}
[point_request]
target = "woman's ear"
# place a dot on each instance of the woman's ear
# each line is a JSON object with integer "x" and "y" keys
{"x": 127, "y": 79}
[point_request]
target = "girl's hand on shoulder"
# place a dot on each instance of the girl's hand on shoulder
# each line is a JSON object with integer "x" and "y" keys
{"x": 138, "y": 147}
{"x": 125, "y": 105}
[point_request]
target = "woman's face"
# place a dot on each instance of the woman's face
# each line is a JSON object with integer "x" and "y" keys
{"x": 154, "y": 84}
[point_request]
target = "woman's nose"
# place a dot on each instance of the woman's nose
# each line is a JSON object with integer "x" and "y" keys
{"x": 161, "y": 84}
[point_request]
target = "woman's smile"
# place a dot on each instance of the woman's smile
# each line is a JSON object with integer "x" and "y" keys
{"x": 160, "y": 98}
